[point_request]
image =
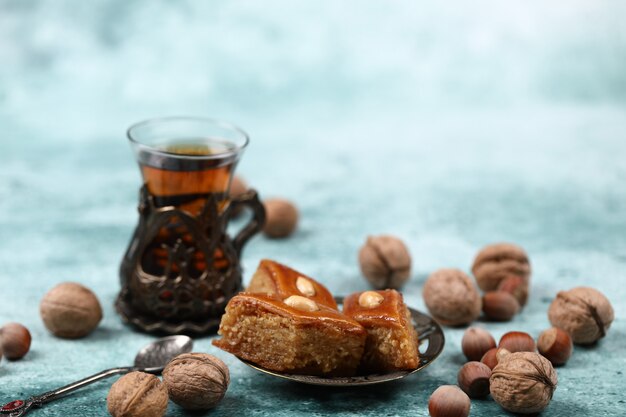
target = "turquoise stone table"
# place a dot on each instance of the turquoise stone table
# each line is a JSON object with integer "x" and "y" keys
{"x": 449, "y": 125}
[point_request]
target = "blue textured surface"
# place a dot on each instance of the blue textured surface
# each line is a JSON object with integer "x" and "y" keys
{"x": 450, "y": 125}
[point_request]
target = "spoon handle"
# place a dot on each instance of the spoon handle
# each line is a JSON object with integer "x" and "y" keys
{"x": 18, "y": 408}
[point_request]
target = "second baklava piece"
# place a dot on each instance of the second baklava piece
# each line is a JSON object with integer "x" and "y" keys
{"x": 392, "y": 341}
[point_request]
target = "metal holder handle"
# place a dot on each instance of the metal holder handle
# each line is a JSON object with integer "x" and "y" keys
{"x": 251, "y": 200}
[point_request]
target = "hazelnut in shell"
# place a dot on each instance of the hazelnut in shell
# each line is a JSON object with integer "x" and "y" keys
{"x": 451, "y": 297}
{"x": 493, "y": 356}
{"x": 583, "y": 312}
{"x": 449, "y": 401}
{"x": 14, "y": 341}
{"x": 555, "y": 345}
{"x": 496, "y": 262}
{"x": 473, "y": 379}
{"x": 500, "y": 305}
{"x": 490, "y": 358}
{"x": 137, "y": 394}
{"x": 70, "y": 310}
{"x": 281, "y": 218}
{"x": 517, "y": 287}
{"x": 517, "y": 342}
{"x": 385, "y": 262}
{"x": 196, "y": 381}
{"x": 476, "y": 342}
{"x": 523, "y": 382}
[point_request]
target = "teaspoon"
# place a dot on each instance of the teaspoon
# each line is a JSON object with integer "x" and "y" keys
{"x": 151, "y": 359}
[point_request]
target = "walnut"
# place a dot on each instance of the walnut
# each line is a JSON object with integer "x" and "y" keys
{"x": 385, "y": 261}
{"x": 496, "y": 262}
{"x": 523, "y": 382}
{"x": 196, "y": 381}
{"x": 70, "y": 310}
{"x": 583, "y": 312}
{"x": 451, "y": 297}
{"x": 137, "y": 394}
{"x": 281, "y": 218}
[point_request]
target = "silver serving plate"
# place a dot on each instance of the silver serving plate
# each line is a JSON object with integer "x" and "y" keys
{"x": 431, "y": 342}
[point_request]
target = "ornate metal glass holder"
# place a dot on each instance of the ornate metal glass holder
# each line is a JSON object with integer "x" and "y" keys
{"x": 181, "y": 267}
{"x": 183, "y": 299}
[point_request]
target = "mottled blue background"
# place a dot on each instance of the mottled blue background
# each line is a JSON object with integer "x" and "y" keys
{"x": 450, "y": 124}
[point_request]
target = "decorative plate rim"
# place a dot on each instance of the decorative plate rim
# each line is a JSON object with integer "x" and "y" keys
{"x": 428, "y": 330}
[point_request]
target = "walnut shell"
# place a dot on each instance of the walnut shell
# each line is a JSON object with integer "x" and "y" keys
{"x": 583, "y": 312}
{"x": 523, "y": 382}
{"x": 70, "y": 310}
{"x": 385, "y": 262}
{"x": 196, "y": 381}
{"x": 451, "y": 297}
{"x": 496, "y": 262}
{"x": 137, "y": 394}
{"x": 281, "y": 218}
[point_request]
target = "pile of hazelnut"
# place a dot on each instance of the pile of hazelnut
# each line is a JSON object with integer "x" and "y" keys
{"x": 518, "y": 372}
{"x": 281, "y": 215}
{"x": 517, "y": 377}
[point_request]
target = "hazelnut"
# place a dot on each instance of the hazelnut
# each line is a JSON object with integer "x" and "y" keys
{"x": 449, "y": 401}
{"x": 517, "y": 287}
{"x": 451, "y": 297}
{"x": 583, "y": 312}
{"x": 517, "y": 342}
{"x": 492, "y": 356}
{"x": 496, "y": 262}
{"x": 281, "y": 218}
{"x": 500, "y": 305}
{"x": 137, "y": 394}
{"x": 14, "y": 341}
{"x": 476, "y": 342}
{"x": 370, "y": 299}
{"x": 305, "y": 286}
{"x": 70, "y": 310}
{"x": 385, "y": 262}
{"x": 523, "y": 382}
{"x": 555, "y": 345}
{"x": 196, "y": 381}
{"x": 301, "y": 303}
{"x": 473, "y": 379}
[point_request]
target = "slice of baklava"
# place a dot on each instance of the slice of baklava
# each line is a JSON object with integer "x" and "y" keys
{"x": 272, "y": 277}
{"x": 294, "y": 335}
{"x": 392, "y": 342}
